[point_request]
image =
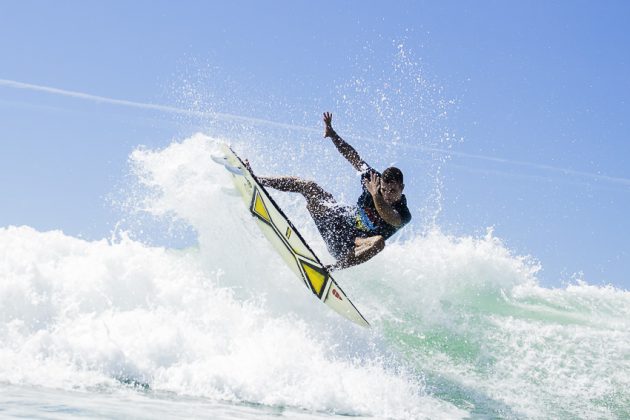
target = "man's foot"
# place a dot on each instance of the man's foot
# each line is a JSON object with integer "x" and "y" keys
{"x": 248, "y": 166}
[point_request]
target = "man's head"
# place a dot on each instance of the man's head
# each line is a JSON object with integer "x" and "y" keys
{"x": 392, "y": 185}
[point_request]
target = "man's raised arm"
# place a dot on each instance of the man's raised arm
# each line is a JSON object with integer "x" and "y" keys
{"x": 344, "y": 148}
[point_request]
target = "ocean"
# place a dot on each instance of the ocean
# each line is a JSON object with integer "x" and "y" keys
{"x": 125, "y": 327}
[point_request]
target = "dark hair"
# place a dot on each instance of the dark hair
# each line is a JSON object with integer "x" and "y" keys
{"x": 393, "y": 175}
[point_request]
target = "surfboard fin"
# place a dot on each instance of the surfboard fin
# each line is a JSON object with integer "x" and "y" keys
{"x": 223, "y": 162}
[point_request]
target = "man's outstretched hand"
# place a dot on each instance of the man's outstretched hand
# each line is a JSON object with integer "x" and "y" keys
{"x": 328, "y": 130}
{"x": 373, "y": 184}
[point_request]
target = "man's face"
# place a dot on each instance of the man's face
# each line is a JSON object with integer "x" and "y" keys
{"x": 391, "y": 191}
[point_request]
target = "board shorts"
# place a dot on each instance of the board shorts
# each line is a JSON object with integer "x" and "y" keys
{"x": 337, "y": 227}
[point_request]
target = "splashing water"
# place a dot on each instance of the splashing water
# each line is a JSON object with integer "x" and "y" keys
{"x": 460, "y": 325}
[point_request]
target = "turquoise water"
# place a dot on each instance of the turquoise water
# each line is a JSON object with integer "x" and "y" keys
{"x": 118, "y": 328}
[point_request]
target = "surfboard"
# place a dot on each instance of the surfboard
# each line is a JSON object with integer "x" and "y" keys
{"x": 286, "y": 239}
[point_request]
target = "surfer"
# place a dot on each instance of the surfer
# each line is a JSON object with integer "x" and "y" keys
{"x": 353, "y": 234}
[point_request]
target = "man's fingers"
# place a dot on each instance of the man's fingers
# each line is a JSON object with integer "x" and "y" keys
{"x": 327, "y": 123}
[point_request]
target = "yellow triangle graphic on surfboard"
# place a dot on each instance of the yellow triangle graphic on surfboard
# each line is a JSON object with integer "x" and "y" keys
{"x": 316, "y": 278}
{"x": 260, "y": 209}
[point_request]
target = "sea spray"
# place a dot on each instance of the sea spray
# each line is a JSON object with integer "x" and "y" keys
{"x": 460, "y": 324}
{"x": 468, "y": 313}
{"x": 100, "y": 315}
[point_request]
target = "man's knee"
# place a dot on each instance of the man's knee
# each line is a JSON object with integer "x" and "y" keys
{"x": 310, "y": 187}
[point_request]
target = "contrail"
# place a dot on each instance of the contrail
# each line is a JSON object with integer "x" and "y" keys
{"x": 149, "y": 106}
{"x": 581, "y": 181}
{"x": 563, "y": 171}
{"x": 259, "y": 121}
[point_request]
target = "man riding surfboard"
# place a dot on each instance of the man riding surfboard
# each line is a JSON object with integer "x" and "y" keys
{"x": 353, "y": 234}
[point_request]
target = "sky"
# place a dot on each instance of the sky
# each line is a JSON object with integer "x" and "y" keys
{"x": 513, "y": 114}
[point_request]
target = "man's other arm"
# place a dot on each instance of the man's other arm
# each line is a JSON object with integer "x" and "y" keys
{"x": 386, "y": 211}
{"x": 342, "y": 146}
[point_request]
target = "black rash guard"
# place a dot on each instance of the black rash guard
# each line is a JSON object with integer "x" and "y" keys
{"x": 343, "y": 224}
{"x": 367, "y": 218}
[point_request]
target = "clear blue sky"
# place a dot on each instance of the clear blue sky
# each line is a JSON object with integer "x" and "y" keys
{"x": 539, "y": 95}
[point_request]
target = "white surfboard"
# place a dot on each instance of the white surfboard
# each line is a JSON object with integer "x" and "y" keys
{"x": 287, "y": 240}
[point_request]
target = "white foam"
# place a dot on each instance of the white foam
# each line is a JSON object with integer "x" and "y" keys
{"x": 226, "y": 320}
{"x": 79, "y": 314}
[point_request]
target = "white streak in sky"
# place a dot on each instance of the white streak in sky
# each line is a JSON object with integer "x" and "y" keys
{"x": 148, "y": 106}
{"x": 258, "y": 121}
{"x": 563, "y": 171}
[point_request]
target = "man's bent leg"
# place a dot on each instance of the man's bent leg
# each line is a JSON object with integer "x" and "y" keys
{"x": 318, "y": 200}
{"x": 329, "y": 218}
{"x": 283, "y": 183}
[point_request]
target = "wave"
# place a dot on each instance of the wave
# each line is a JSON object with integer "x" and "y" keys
{"x": 461, "y": 325}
